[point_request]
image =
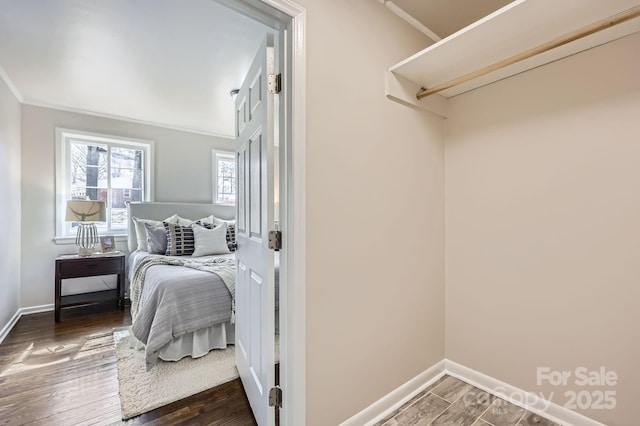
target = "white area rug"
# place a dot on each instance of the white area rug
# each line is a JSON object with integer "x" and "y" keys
{"x": 166, "y": 382}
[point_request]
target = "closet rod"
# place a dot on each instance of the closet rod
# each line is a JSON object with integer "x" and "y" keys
{"x": 603, "y": 24}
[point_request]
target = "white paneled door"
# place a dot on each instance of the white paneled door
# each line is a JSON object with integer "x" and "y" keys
{"x": 254, "y": 260}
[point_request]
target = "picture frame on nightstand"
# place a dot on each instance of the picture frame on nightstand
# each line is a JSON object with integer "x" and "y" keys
{"x": 107, "y": 243}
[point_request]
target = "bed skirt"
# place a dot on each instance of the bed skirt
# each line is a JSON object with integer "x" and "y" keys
{"x": 195, "y": 344}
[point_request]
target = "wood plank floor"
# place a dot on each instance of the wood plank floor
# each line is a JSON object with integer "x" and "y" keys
{"x": 65, "y": 374}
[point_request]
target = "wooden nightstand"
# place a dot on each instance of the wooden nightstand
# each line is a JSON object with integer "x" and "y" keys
{"x": 74, "y": 266}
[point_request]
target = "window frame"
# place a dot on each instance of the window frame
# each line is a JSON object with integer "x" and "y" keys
{"x": 64, "y": 138}
{"x": 214, "y": 170}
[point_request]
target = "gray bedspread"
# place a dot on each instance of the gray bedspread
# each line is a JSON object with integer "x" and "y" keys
{"x": 175, "y": 300}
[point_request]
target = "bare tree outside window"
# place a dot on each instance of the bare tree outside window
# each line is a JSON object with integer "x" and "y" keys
{"x": 224, "y": 178}
{"x": 112, "y": 169}
{"x": 112, "y": 174}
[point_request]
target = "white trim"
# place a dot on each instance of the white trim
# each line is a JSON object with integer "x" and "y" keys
{"x": 259, "y": 10}
{"x": 403, "y": 91}
{"x": 550, "y": 410}
{"x": 122, "y": 118}
{"x": 411, "y": 20}
{"x": 292, "y": 201}
{"x": 19, "y": 314}
{"x": 28, "y": 310}
{"x": 294, "y": 361}
{"x": 61, "y": 241}
{"x": 4, "y": 332}
{"x": 62, "y": 157}
{"x": 5, "y": 77}
{"x": 520, "y": 19}
{"x": 397, "y": 397}
{"x": 288, "y": 7}
{"x": 214, "y": 171}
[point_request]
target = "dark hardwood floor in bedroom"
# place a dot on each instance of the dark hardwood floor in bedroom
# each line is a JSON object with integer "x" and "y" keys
{"x": 50, "y": 375}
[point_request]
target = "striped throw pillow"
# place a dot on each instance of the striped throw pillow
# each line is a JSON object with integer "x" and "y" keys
{"x": 180, "y": 239}
{"x": 231, "y": 237}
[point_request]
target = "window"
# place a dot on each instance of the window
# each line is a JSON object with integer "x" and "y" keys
{"x": 224, "y": 177}
{"x": 104, "y": 168}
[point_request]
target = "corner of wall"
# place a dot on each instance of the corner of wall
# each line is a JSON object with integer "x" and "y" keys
{"x": 6, "y": 329}
{"x": 12, "y": 87}
{"x": 10, "y": 197}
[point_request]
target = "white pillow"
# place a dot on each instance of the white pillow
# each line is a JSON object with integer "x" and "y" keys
{"x": 141, "y": 232}
{"x": 210, "y": 241}
{"x": 186, "y": 222}
{"x": 218, "y": 221}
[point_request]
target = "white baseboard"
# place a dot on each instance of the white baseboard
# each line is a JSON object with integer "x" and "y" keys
{"x": 36, "y": 309}
{"x": 519, "y": 397}
{"x": 527, "y": 400}
{"x": 397, "y": 397}
{"x": 19, "y": 313}
{"x": 4, "y": 332}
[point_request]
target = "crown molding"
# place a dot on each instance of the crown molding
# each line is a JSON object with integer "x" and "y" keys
{"x": 122, "y": 118}
{"x": 12, "y": 87}
{"x": 5, "y": 77}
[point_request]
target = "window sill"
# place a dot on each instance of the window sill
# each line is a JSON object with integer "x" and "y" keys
{"x": 119, "y": 238}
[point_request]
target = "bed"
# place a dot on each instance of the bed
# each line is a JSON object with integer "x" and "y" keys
{"x": 181, "y": 305}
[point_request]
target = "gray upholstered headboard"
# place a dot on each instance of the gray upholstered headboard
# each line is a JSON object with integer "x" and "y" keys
{"x": 160, "y": 211}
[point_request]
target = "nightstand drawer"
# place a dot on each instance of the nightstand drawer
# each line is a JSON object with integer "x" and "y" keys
{"x": 88, "y": 267}
{"x": 74, "y": 266}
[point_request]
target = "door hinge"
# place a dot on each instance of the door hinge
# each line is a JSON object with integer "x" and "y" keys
{"x": 275, "y": 240}
{"x": 274, "y": 83}
{"x": 275, "y": 397}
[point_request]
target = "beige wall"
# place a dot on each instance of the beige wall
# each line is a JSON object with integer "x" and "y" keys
{"x": 182, "y": 174}
{"x": 543, "y": 225}
{"x": 9, "y": 204}
{"x": 375, "y": 242}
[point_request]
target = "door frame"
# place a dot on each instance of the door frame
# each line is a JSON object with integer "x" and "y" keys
{"x": 289, "y": 19}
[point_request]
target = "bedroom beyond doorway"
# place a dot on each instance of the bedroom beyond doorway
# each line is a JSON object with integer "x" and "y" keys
{"x": 77, "y": 376}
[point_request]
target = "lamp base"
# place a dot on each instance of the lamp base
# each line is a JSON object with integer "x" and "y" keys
{"x": 86, "y": 251}
{"x": 87, "y": 238}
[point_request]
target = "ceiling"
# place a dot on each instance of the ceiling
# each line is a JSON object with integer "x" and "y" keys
{"x": 445, "y": 17}
{"x": 165, "y": 62}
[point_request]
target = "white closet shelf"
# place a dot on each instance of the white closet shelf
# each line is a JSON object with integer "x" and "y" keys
{"x": 516, "y": 28}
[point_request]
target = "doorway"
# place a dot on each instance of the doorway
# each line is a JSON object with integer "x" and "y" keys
{"x": 289, "y": 22}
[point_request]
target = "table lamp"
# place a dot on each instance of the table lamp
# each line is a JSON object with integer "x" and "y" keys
{"x": 86, "y": 212}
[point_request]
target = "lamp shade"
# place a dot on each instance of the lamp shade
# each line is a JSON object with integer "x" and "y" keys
{"x": 85, "y": 211}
